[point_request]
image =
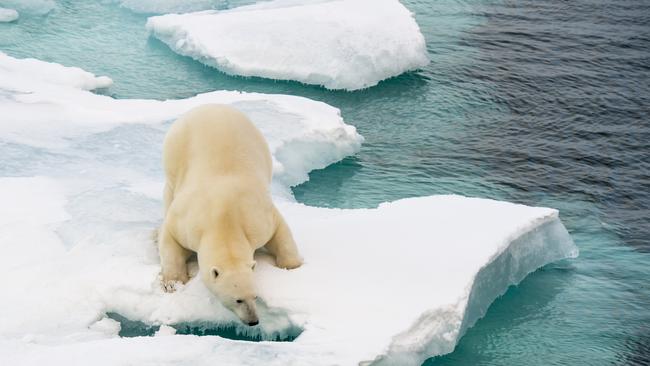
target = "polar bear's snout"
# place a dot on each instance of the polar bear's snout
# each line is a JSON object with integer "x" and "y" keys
{"x": 247, "y": 311}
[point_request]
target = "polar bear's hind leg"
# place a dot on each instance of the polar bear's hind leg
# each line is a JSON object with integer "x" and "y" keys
{"x": 283, "y": 247}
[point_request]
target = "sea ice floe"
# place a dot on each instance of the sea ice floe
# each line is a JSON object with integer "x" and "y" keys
{"x": 80, "y": 185}
{"x": 344, "y": 44}
{"x": 45, "y": 107}
{"x": 15, "y": 70}
{"x": 8, "y": 15}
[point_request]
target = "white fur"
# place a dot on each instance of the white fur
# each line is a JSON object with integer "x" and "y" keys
{"x": 217, "y": 204}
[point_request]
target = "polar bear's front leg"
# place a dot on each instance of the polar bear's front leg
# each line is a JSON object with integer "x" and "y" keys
{"x": 173, "y": 260}
{"x": 283, "y": 247}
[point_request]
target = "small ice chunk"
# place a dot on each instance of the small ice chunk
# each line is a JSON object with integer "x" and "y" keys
{"x": 8, "y": 15}
{"x": 165, "y": 330}
{"x": 52, "y": 73}
{"x": 347, "y": 44}
{"x": 106, "y": 326}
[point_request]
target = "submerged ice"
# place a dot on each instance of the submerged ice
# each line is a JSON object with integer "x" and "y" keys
{"x": 36, "y": 7}
{"x": 81, "y": 189}
{"x": 170, "y": 6}
{"x": 345, "y": 44}
{"x": 8, "y": 15}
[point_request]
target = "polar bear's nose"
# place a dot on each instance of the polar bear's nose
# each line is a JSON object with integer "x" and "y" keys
{"x": 253, "y": 323}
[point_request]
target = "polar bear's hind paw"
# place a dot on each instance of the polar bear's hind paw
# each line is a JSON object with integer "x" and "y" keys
{"x": 289, "y": 263}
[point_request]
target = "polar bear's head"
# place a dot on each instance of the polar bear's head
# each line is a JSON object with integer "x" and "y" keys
{"x": 234, "y": 286}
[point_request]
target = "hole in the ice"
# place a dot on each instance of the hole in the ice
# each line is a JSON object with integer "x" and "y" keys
{"x": 135, "y": 328}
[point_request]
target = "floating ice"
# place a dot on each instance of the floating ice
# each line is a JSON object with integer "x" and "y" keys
{"x": 346, "y": 44}
{"x": 80, "y": 187}
{"x": 16, "y": 70}
{"x": 37, "y": 7}
{"x": 303, "y": 134}
{"x": 165, "y": 330}
{"x": 169, "y": 6}
{"x": 8, "y": 15}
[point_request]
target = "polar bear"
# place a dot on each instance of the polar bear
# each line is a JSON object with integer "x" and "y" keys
{"x": 217, "y": 204}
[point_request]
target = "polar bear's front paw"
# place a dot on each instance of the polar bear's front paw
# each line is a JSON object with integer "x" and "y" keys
{"x": 288, "y": 262}
{"x": 172, "y": 281}
{"x": 171, "y": 285}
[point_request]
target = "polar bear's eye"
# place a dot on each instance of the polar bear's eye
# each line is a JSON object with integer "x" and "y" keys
{"x": 240, "y": 301}
{"x": 215, "y": 273}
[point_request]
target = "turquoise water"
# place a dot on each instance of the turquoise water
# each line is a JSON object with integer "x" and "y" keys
{"x": 133, "y": 328}
{"x": 537, "y": 103}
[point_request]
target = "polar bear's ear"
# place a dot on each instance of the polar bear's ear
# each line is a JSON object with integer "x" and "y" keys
{"x": 215, "y": 273}
{"x": 252, "y": 264}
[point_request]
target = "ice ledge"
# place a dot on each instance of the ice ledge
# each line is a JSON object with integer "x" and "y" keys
{"x": 412, "y": 275}
{"x": 437, "y": 332}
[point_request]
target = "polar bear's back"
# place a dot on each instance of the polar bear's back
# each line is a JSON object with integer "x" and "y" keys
{"x": 215, "y": 140}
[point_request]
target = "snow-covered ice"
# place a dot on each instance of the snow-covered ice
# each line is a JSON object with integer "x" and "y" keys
{"x": 344, "y": 44}
{"x": 15, "y": 71}
{"x": 8, "y": 15}
{"x": 80, "y": 183}
{"x": 303, "y": 134}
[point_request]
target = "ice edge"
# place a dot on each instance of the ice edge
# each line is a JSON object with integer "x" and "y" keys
{"x": 544, "y": 241}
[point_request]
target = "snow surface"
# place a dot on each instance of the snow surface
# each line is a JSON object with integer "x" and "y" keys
{"x": 337, "y": 44}
{"x": 8, "y": 15}
{"x": 81, "y": 186}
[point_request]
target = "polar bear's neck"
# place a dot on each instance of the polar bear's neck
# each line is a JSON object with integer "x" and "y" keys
{"x": 223, "y": 251}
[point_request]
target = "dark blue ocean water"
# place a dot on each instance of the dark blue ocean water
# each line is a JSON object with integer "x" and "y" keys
{"x": 537, "y": 102}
